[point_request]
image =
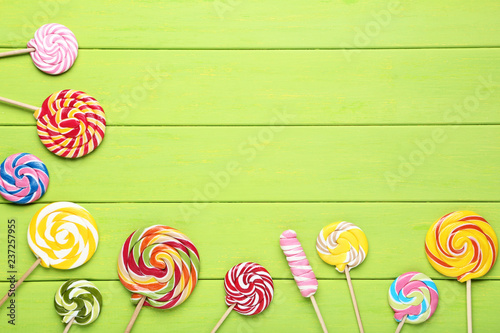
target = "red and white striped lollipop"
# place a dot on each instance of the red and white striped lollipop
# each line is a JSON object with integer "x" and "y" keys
{"x": 249, "y": 290}
{"x": 53, "y": 49}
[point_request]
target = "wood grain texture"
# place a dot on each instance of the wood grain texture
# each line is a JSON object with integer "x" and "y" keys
{"x": 249, "y": 87}
{"x": 235, "y": 120}
{"x": 227, "y": 234}
{"x": 289, "y": 310}
{"x": 195, "y": 164}
{"x": 259, "y": 24}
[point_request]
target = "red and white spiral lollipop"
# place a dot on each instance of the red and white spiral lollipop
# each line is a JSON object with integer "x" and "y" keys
{"x": 70, "y": 123}
{"x": 53, "y": 49}
{"x": 249, "y": 290}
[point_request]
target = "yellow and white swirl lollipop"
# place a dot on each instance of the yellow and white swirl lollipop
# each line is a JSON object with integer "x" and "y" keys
{"x": 343, "y": 245}
{"x": 62, "y": 235}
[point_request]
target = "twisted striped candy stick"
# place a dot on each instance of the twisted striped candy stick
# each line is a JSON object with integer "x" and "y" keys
{"x": 78, "y": 299}
{"x": 342, "y": 244}
{"x": 70, "y": 123}
{"x": 24, "y": 178}
{"x": 413, "y": 296}
{"x": 55, "y": 47}
{"x": 249, "y": 287}
{"x": 161, "y": 264}
{"x": 299, "y": 265}
{"x": 301, "y": 270}
{"x": 461, "y": 244}
{"x": 63, "y": 235}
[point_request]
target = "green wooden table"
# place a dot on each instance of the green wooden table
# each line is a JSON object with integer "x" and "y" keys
{"x": 234, "y": 120}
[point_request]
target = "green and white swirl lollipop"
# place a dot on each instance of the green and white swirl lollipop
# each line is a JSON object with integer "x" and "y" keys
{"x": 78, "y": 302}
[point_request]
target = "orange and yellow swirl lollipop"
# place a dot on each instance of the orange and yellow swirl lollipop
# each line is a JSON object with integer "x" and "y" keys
{"x": 463, "y": 245}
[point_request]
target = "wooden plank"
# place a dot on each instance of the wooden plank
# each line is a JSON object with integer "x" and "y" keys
{"x": 249, "y": 87}
{"x": 259, "y": 24}
{"x": 194, "y": 164}
{"x": 226, "y": 234}
{"x": 288, "y": 312}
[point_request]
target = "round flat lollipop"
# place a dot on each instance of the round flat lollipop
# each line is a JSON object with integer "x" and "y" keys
{"x": 78, "y": 301}
{"x": 63, "y": 235}
{"x": 55, "y": 47}
{"x": 71, "y": 123}
{"x": 462, "y": 245}
{"x": 249, "y": 287}
{"x": 249, "y": 290}
{"x": 414, "y": 297}
{"x": 342, "y": 244}
{"x": 24, "y": 178}
{"x": 161, "y": 264}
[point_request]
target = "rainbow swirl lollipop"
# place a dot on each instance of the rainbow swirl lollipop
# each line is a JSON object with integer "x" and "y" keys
{"x": 161, "y": 264}
{"x": 414, "y": 297}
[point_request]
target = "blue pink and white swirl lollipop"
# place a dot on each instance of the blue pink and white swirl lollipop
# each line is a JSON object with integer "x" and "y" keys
{"x": 24, "y": 178}
{"x": 414, "y": 297}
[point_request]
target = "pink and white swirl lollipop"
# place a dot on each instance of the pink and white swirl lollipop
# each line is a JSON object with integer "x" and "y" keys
{"x": 53, "y": 49}
{"x": 249, "y": 290}
{"x": 301, "y": 270}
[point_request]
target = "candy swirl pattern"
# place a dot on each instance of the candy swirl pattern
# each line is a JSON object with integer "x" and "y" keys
{"x": 342, "y": 244}
{"x": 414, "y": 295}
{"x": 461, "y": 244}
{"x": 160, "y": 263}
{"x": 71, "y": 123}
{"x": 299, "y": 265}
{"x": 63, "y": 235}
{"x": 250, "y": 287}
{"x": 55, "y": 47}
{"x": 79, "y": 299}
{"x": 24, "y": 178}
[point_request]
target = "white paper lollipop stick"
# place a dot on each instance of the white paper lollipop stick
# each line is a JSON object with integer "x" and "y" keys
{"x": 66, "y": 329}
{"x": 468, "y": 285}
{"x": 16, "y": 52}
{"x": 224, "y": 316}
{"x": 28, "y": 272}
{"x": 353, "y": 297}
{"x": 401, "y": 323}
{"x": 136, "y": 313}
{"x": 16, "y": 103}
{"x": 320, "y": 317}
